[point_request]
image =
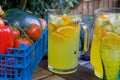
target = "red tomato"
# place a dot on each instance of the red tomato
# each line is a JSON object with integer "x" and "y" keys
{"x": 25, "y": 41}
{"x": 2, "y": 24}
{"x": 34, "y": 32}
{"x": 43, "y": 22}
{"x": 16, "y": 33}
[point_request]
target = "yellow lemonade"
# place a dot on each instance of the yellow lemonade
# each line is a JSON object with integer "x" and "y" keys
{"x": 63, "y": 41}
{"x": 110, "y": 56}
{"x": 95, "y": 53}
{"x": 105, "y": 23}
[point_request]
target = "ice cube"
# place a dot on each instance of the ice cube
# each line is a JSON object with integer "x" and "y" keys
{"x": 75, "y": 18}
{"x": 56, "y": 20}
{"x": 108, "y": 27}
{"x": 114, "y": 20}
{"x": 117, "y": 30}
{"x": 100, "y": 21}
{"x": 116, "y": 23}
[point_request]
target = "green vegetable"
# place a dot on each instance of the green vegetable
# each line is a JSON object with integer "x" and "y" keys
{"x": 17, "y": 17}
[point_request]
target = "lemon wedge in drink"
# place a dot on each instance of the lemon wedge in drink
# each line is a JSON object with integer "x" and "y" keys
{"x": 111, "y": 38}
{"x": 66, "y": 19}
{"x": 51, "y": 26}
{"x": 57, "y": 37}
{"x": 66, "y": 30}
{"x": 102, "y": 20}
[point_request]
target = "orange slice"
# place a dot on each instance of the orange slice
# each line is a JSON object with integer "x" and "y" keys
{"x": 50, "y": 26}
{"x": 99, "y": 32}
{"x": 66, "y": 19}
{"x": 58, "y": 37}
{"x": 110, "y": 42}
{"x": 66, "y": 30}
{"x": 111, "y": 38}
{"x": 103, "y": 16}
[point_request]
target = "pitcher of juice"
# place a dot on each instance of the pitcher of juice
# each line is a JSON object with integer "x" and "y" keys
{"x": 106, "y": 41}
{"x": 63, "y": 40}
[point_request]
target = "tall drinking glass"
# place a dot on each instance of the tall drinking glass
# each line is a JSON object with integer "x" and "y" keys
{"x": 107, "y": 30}
{"x": 63, "y": 41}
{"x": 110, "y": 56}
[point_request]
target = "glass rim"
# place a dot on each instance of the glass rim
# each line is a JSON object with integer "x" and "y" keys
{"x": 52, "y": 9}
{"x": 63, "y": 11}
{"x": 58, "y": 9}
{"x": 112, "y": 10}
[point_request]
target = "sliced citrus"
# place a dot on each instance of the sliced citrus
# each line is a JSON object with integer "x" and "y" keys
{"x": 66, "y": 30}
{"x": 50, "y": 26}
{"x": 111, "y": 38}
{"x": 99, "y": 32}
{"x": 58, "y": 37}
{"x": 102, "y": 20}
{"x": 66, "y": 19}
{"x": 103, "y": 16}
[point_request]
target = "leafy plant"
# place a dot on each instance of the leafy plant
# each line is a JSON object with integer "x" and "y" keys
{"x": 38, "y": 7}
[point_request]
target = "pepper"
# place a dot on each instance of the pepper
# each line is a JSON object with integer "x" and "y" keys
{"x": 6, "y": 39}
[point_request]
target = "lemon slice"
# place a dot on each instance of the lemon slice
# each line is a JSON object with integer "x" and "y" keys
{"x": 117, "y": 30}
{"x": 110, "y": 41}
{"x": 111, "y": 38}
{"x": 50, "y": 26}
{"x": 66, "y": 30}
{"x": 103, "y": 16}
{"x": 58, "y": 37}
{"x": 66, "y": 19}
{"x": 102, "y": 19}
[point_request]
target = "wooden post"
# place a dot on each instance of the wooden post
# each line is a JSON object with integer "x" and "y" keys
{"x": 118, "y": 4}
{"x": 96, "y": 4}
{"x": 85, "y": 8}
{"x": 91, "y": 8}
{"x": 88, "y": 7}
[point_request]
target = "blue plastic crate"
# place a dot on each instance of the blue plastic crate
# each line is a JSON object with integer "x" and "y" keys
{"x": 20, "y": 63}
{"x": 45, "y": 40}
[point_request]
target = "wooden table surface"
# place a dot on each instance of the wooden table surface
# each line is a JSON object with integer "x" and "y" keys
{"x": 42, "y": 73}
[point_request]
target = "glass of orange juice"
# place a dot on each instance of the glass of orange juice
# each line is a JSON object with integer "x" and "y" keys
{"x": 63, "y": 41}
{"x": 107, "y": 30}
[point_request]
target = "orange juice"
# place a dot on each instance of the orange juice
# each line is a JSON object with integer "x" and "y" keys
{"x": 63, "y": 41}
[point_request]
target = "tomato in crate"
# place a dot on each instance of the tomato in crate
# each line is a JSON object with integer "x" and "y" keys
{"x": 21, "y": 62}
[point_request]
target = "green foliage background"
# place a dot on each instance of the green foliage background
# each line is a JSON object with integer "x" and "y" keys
{"x": 38, "y": 7}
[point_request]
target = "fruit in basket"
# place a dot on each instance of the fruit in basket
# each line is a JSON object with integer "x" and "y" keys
{"x": 24, "y": 41}
{"x": 44, "y": 23}
{"x": 16, "y": 33}
{"x": 20, "y": 18}
{"x": 6, "y": 37}
{"x": 33, "y": 31}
